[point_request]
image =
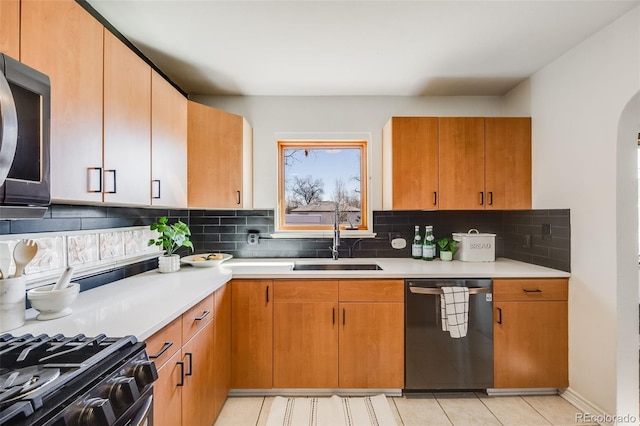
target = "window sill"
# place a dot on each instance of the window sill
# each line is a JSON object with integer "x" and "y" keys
{"x": 322, "y": 234}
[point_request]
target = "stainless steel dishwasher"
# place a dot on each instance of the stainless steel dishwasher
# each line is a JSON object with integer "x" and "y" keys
{"x": 433, "y": 359}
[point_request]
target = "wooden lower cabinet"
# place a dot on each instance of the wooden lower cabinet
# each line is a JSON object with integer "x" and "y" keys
{"x": 371, "y": 345}
{"x": 167, "y": 394}
{"x": 251, "y": 334}
{"x": 530, "y": 333}
{"x": 305, "y": 345}
{"x": 199, "y": 380}
{"x": 192, "y": 355}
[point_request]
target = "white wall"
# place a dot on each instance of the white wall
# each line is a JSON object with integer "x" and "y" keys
{"x": 269, "y": 115}
{"x": 580, "y": 161}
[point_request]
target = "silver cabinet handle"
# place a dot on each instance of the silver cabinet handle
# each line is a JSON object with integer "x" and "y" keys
{"x": 8, "y": 129}
{"x": 113, "y": 172}
{"x": 94, "y": 173}
{"x": 203, "y": 316}
{"x": 155, "y": 194}
{"x": 438, "y": 291}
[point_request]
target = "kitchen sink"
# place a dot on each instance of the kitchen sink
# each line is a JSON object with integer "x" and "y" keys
{"x": 336, "y": 267}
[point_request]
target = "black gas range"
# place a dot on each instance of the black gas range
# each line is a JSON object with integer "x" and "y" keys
{"x": 72, "y": 381}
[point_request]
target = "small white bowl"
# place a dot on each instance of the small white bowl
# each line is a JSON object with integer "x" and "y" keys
{"x": 53, "y": 304}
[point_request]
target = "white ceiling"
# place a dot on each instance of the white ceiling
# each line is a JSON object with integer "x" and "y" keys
{"x": 350, "y": 48}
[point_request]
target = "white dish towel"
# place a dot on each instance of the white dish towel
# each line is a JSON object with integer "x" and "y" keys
{"x": 454, "y": 311}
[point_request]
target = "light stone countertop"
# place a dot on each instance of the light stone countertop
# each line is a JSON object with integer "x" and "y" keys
{"x": 141, "y": 305}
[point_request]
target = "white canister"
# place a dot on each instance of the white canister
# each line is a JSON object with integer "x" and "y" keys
{"x": 12, "y": 303}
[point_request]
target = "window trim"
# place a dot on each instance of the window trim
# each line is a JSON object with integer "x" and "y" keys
{"x": 321, "y": 141}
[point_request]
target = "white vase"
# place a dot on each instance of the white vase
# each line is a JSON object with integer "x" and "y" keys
{"x": 446, "y": 255}
{"x": 169, "y": 263}
{"x": 12, "y": 303}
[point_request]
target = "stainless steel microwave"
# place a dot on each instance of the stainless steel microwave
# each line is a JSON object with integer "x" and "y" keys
{"x": 25, "y": 114}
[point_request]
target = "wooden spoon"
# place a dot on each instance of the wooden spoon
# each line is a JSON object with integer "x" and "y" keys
{"x": 23, "y": 253}
{"x": 5, "y": 261}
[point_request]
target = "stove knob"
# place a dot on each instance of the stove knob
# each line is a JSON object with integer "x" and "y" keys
{"x": 122, "y": 392}
{"x": 96, "y": 412}
{"x": 145, "y": 373}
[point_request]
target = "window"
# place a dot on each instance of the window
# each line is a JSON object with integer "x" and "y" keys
{"x": 314, "y": 176}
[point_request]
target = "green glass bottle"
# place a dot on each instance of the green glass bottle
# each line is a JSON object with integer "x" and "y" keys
{"x": 416, "y": 247}
{"x": 428, "y": 245}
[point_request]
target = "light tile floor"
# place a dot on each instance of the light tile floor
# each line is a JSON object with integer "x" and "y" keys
{"x": 438, "y": 409}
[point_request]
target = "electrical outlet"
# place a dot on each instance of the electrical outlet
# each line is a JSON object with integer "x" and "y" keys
{"x": 546, "y": 231}
{"x": 527, "y": 242}
{"x": 252, "y": 239}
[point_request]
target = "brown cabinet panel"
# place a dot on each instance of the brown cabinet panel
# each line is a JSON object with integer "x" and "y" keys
{"x": 168, "y": 143}
{"x": 251, "y": 334}
{"x": 222, "y": 347}
{"x": 197, "y": 317}
{"x": 414, "y": 158}
{"x": 167, "y": 394}
{"x": 10, "y": 28}
{"x": 214, "y": 158}
{"x": 371, "y": 345}
{"x": 166, "y": 342}
{"x": 305, "y": 291}
{"x": 60, "y": 39}
{"x": 530, "y": 289}
{"x": 198, "y": 389}
{"x": 508, "y": 163}
{"x": 371, "y": 291}
{"x": 305, "y": 345}
{"x": 461, "y": 163}
{"x": 530, "y": 344}
{"x": 127, "y": 129}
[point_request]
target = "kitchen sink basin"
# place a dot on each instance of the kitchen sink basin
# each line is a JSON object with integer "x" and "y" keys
{"x": 336, "y": 267}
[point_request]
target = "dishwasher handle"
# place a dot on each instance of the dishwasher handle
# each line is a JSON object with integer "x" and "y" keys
{"x": 438, "y": 291}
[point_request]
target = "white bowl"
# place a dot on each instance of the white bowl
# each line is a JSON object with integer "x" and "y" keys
{"x": 53, "y": 304}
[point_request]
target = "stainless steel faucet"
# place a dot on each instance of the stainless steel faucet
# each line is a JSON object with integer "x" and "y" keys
{"x": 336, "y": 233}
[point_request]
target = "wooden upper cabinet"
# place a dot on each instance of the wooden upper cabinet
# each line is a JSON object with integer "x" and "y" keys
{"x": 168, "y": 144}
{"x": 461, "y": 163}
{"x": 127, "y": 129}
{"x": 508, "y": 163}
{"x": 10, "y": 28}
{"x": 410, "y": 157}
{"x": 219, "y": 159}
{"x": 60, "y": 39}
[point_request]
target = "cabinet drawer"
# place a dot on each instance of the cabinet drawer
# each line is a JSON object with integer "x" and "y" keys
{"x": 530, "y": 289}
{"x": 197, "y": 317}
{"x": 371, "y": 291}
{"x": 305, "y": 291}
{"x": 166, "y": 342}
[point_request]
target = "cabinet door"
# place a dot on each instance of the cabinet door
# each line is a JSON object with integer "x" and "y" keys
{"x": 461, "y": 165}
{"x": 127, "y": 130}
{"x": 305, "y": 345}
{"x": 222, "y": 347}
{"x": 198, "y": 392}
{"x": 372, "y": 345}
{"x": 215, "y": 158}
{"x": 251, "y": 334}
{"x": 10, "y": 28}
{"x": 508, "y": 163}
{"x": 168, "y": 144}
{"x": 414, "y": 163}
{"x": 530, "y": 344}
{"x": 63, "y": 41}
{"x": 167, "y": 393}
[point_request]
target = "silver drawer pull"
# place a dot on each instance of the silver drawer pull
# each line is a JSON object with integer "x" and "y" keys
{"x": 203, "y": 316}
{"x": 165, "y": 347}
{"x": 438, "y": 291}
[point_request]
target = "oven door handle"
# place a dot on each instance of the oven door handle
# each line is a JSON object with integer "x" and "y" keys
{"x": 438, "y": 291}
{"x": 8, "y": 128}
{"x": 141, "y": 415}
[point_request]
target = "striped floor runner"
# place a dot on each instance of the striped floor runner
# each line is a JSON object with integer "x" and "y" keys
{"x": 331, "y": 411}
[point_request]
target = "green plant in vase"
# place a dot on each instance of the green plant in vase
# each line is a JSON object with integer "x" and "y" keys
{"x": 171, "y": 238}
{"x": 448, "y": 247}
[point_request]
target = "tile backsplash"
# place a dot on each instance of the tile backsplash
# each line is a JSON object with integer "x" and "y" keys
{"x": 227, "y": 230}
